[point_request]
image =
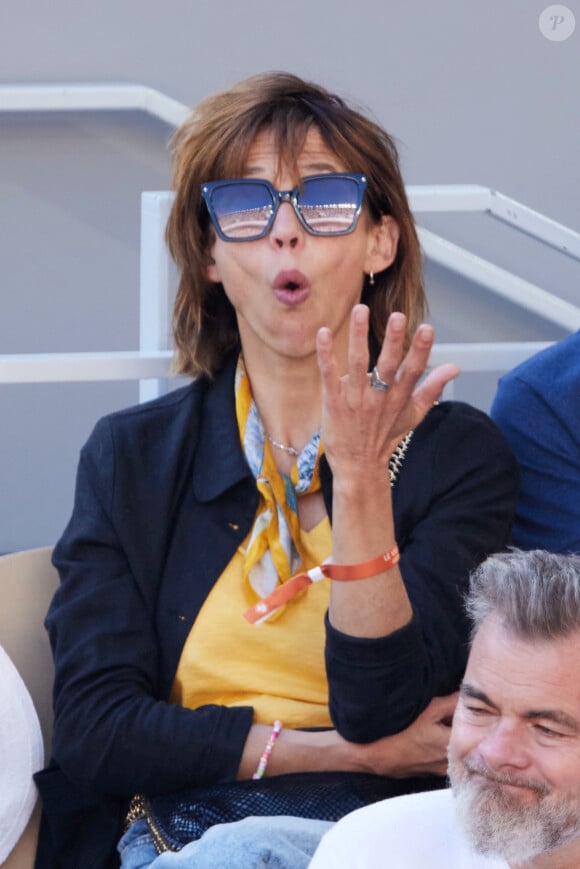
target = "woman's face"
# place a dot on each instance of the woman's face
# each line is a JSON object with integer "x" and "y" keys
{"x": 287, "y": 285}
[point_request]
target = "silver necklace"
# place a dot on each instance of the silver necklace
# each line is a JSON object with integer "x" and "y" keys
{"x": 290, "y": 450}
{"x": 395, "y": 462}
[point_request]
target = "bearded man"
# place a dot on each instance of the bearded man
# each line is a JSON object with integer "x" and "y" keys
{"x": 514, "y": 751}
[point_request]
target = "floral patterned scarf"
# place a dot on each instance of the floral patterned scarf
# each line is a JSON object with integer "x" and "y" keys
{"x": 274, "y": 552}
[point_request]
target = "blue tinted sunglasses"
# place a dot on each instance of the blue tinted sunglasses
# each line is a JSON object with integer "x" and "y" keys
{"x": 244, "y": 209}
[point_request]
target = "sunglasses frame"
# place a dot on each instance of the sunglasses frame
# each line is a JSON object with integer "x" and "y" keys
{"x": 279, "y": 196}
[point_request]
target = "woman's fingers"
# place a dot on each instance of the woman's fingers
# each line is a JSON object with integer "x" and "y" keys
{"x": 327, "y": 363}
{"x": 431, "y": 388}
{"x": 405, "y": 373}
{"x": 374, "y": 418}
{"x": 358, "y": 356}
{"x": 358, "y": 348}
{"x": 416, "y": 361}
{"x": 393, "y": 346}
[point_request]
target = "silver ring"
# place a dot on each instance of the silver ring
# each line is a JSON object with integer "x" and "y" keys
{"x": 377, "y": 382}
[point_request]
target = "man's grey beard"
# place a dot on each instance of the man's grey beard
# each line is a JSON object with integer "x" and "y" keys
{"x": 497, "y": 823}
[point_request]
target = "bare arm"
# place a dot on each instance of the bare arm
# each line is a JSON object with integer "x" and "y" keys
{"x": 361, "y": 428}
{"x": 421, "y": 749}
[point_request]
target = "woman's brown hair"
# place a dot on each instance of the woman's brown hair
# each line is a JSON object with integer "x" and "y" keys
{"x": 212, "y": 144}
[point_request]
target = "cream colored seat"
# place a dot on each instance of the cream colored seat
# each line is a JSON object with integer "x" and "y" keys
{"x": 27, "y": 583}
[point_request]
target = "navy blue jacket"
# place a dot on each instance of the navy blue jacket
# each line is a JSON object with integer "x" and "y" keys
{"x": 164, "y": 497}
{"x": 537, "y": 406}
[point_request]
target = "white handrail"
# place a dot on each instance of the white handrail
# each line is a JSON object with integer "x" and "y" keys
{"x": 472, "y": 197}
{"x": 91, "y": 97}
{"x": 158, "y": 278}
{"x": 486, "y": 355}
{"x": 517, "y": 290}
{"x": 73, "y": 367}
{"x": 136, "y": 365}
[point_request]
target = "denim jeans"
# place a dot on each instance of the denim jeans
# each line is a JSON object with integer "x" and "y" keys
{"x": 279, "y": 842}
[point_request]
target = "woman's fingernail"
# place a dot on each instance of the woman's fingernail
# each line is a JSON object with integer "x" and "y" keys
{"x": 398, "y": 322}
{"x": 360, "y": 314}
{"x": 426, "y": 332}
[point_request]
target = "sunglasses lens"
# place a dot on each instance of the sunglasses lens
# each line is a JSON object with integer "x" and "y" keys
{"x": 242, "y": 210}
{"x": 329, "y": 205}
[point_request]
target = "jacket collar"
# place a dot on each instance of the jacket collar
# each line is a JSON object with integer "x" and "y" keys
{"x": 219, "y": 462}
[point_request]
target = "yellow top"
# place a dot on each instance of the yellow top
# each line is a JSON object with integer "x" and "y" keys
{"x": 277, "y": 666}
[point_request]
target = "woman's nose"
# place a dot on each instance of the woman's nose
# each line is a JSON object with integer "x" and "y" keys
{"x": 287, "y": 231}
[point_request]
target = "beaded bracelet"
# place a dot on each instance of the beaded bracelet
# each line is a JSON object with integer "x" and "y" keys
{"x": 268, "y": 750}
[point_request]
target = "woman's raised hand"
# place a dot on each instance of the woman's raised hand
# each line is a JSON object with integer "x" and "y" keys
{"x": 361, "y": 426}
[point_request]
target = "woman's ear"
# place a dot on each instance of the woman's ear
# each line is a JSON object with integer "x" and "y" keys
{"x": 383, "y": 241}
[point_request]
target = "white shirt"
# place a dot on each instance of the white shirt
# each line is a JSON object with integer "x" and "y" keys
{"x": 418, "y": 831}
{"x": 21, "y": 755}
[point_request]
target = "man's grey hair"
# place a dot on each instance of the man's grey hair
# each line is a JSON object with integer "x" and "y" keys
{"x": 535, "y": 593}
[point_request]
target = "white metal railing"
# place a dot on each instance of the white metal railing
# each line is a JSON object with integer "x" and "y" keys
{"x": 150, "y": 364}
{"x": 472, "y": 197}
{"x": 463, "y": 198}
{"x": 134, "y": 365}
{"x": 92, "y": 98}
{"x": 63, "y": 367}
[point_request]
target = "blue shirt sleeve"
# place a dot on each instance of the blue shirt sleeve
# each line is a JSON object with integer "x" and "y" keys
{"x": 540, "y": 418}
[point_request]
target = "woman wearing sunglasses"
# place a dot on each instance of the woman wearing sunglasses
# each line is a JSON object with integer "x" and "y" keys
{"x": 262, "y": 579}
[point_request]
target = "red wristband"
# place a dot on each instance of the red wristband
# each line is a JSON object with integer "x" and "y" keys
{"x": 341, "y": 572}
{"x": 365, "y": 569}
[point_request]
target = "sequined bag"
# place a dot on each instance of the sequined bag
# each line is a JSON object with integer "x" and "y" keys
{"x": 176, "y": 819}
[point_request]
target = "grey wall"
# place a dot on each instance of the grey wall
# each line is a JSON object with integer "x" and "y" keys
{"x": 473, "y": 92}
